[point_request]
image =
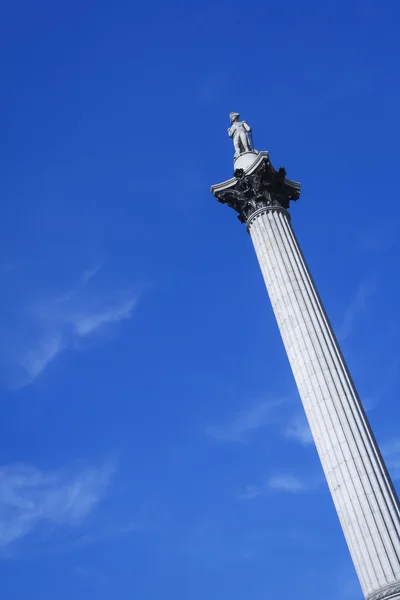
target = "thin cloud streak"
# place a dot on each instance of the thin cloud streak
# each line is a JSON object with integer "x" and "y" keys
{"x": 88, "y": 323}
{"x": 30, "y": 498}
{"x": 246, "y": 422}
{"x": 392, "y": 447}
{"x": 90, "y": 273}
{"x": 251, "y": 492}
{"x": 287, "y": 483}
{"x": 60, "y": 322}
{"x": 36, "y": 359}
{"x": 299, "y": 430}
{"x": 391, "y": 452}
{"x": 280, "y": 482}
{"x": 365, "y": 290}
{"x": 100, "y": 535}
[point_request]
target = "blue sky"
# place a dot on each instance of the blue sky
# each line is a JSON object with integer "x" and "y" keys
{"x": 152, "y": 440}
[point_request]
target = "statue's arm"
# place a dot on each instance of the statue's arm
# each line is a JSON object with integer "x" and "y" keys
{"x": 231, "y": 131}
{"x": 246, "y": 126}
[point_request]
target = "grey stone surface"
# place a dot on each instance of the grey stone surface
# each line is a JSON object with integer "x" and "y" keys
{"x": 239, "y": 131}
{"x": 363, "y": 494}
{"x": 365, "y": 500}
{"x": 256, "y": 186}
{"x": 392, "y": 592}
{"x": 245, "y": 160}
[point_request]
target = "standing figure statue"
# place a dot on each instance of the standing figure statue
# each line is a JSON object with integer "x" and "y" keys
{"x": 239, "y": 131}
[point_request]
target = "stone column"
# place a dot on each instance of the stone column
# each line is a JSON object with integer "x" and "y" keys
{"x": 363, "y": 494}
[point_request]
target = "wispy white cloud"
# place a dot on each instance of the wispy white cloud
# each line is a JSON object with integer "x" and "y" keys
{"x": 287, "y": 483}
{"x": 393, "y": 464}
{"x": 251, "y": 492}
{"x": 107, "y": 532}
{"x": 86, "y": 323}
{"x": 391, "y": 452}
{"x": 242, "y": 426}
{"x": 280, "y": 482}
{"x": 392, "y": 447}
{"x": 30, "y": 498}
{"x": 90, "y": 273}
{"x": 293, "y": 484}
{"x": 299, "y": 430}
{"x": 36, "y": 359}
{"x": 246, "y": 422}
{"x": 365, "y": 290}
{"x": 55, "y": 323}
{"x": 370, "y": 402}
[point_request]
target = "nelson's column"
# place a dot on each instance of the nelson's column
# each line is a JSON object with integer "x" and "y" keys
{"x": 362, "y": 491}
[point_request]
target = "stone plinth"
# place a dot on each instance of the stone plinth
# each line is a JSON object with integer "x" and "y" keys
{"x": 245, "y": 160}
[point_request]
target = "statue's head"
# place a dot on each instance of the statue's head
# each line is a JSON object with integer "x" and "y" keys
{"x": 234, "y": 116}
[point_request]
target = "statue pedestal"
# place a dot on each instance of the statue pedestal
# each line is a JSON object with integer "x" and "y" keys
{"x": 245, "y": 160}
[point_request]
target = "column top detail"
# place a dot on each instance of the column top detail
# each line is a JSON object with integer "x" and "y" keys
{"x": 257, "y": 185}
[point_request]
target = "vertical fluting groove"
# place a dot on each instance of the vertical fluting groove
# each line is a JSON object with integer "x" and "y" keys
{"x": 372, "y": 453}
{"x": 272, "y": 244}
{"x": 326, "y": 426}
{"x": 302, "y": 293}
{"x": 296, "y": 315}
{"x": 364, "y": 462}
{"x": 377, "y": 454}
{"x": 357, "y": 403}
{"x": 338, "y": 389}
{"x": 357, "y": 477}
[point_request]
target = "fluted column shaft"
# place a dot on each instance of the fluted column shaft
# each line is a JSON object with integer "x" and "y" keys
{"x": 363, "y": 494}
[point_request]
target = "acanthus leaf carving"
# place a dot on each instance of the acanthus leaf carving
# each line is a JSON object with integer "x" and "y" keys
{"x": 386, "y": 593}
{"x": 263, "y": 188}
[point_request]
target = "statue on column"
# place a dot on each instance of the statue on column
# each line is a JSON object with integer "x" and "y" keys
{"x": 240, "y": 132}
